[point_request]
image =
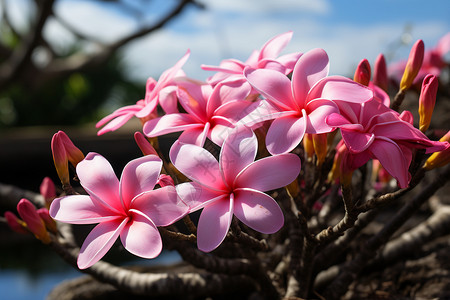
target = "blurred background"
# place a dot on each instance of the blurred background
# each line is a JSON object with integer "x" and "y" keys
{"x": 65, "y": 64}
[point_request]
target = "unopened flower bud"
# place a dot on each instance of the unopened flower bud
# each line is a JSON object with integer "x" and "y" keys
{"x": 144, "y": 144}
{"x": 335, "y": 169}
{"x": 380, "y": 77}
{"x": 362, "y": 73}
{"x": 16, "y": 224}
{"x": 74, "y": 155}
{"x": 441, "y": 158}
{"x": 320, "y": 147}
{"x": 413, "y": 65}
{"x": 427, "y": 100}
{"x": 49, "y": 222}
{"x": 35, "y": 224}
{"x": 308, "y": 145}
{"x": 60, "y": 159}
{"x": 47, "y": 190}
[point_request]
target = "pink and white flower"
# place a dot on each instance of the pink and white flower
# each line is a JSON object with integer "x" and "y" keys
{"x": 233, "y": 186}
{"x": 162, "y": 92}
{"x": 301, "y": 105}
{"x": 128, "y": 208}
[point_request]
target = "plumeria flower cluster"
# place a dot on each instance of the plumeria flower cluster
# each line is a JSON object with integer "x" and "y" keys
{"x": 260, "y": 115}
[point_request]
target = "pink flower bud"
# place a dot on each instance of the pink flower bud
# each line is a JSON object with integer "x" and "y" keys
{"x": 427, "y": 100}
{"x": 363, "y": 72}
{"x": 380, "y": 77}
{"x": 441, "y": 158}
{"x": 50, "y": 224}
{"x": 74, "y": 155}
{"x": 165, "y": 180}
{"x": 144, "y": 144}
{"x": 60, "y": 159}
{"x": 35, "y": 224}
{"x": 47, "y": 190}
{"x": 16, "y": 224}
{"x": 413, "y": 65}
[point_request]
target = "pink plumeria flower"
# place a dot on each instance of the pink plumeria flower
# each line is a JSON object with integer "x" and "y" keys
{"x": 265, "y": 58}
{"x": 210, "y": 112}
{"x": 128, "y": 208}
{"x": 162, "y": 92}
{"x": 233, "y": 186}
{"x": 301, "y": 105}
{"x": 373, "y": 130}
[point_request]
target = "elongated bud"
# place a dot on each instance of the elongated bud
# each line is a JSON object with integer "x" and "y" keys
{"x": 144, "y": 144}
{"x": 74, "y": 155}
{"x": 16, "y": 224}
{"x": 336, "y": 168}
{"x": 165, "y": 180}
{"x": 380, "y": 76}
{"x": 50, "y": 224}
{"x": 427, "y": 100}
{"x": 413, "y": 65}
{"x": 35, "y": 224}
{"x": 362, "y": 73}
{"x": 60, "y": 159}
{"x": 441, "y": 158}
{"x": 308, "y": 145}
{"x": 47, "y": 190}
{"x": 320, "y": 147}
{"x": 293, "y": 188}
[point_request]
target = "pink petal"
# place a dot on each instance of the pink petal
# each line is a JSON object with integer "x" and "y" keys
{"x": 238, "y": 150}
{"x": 262, "y": 175}
{"x": 275, "y": 86}
{"x": 99, "y": 241}
{"x": 340, "y": 88}
{"x": 118, "y": 118}
{"x": 138, "y": 176}
{"x": 317, "y": 111}
{"x": 337, "y": 120}
{"x": 169, "y": 74}
{"x": 147, "y": 109}
{"x": 98, "y": 178}
{"x": 225, "y": 91}
{"x": 170, "y": 123}
{"x": 260, "y": 111}
{"x": 392, "y": 159}
{"x": 285, "y": 133}
{"x": 197, "y": 196}
{"x": 168, "y": 99}
{"x": 356, "y": 160}
{"x": 197, "y": 164}
{"x": 141, "y": 237}
{"x": 80, "y": 209}
{"x": 258, "y": 210}
{"x": 213, "y": 224}
{"x": 357, "y": 141}
{"x": 289, "y": 61}
{"x": 220, "y": 131}
{"x": 195, "y": 136}
{"x": 309, "y": 69}
{"x": 193, "y": 99}
{"x": 162, "y": 206}
{"x": 274, "y": 46}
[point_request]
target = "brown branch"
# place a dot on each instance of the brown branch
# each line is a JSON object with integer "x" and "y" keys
{"x": 10, "y": 195}
{"x": 351, "y": 270}
{"x": 157, "y": 284}
{"x": 21, "y": 57}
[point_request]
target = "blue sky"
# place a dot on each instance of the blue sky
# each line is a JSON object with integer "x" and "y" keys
{"x": 348, "y": 30}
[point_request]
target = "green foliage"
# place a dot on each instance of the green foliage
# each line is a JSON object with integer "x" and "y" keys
{"x": 72, "y": 100}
